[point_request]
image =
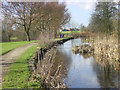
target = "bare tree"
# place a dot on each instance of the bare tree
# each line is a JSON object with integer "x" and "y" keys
{"x": 45, "y": 17}
{"x": 6, "y": 29}
{"x": 22, "y": 14}
{"x": 54, "y": 16}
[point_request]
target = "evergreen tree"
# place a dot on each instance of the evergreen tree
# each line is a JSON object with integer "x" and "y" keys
{"x": 101, "y": 20}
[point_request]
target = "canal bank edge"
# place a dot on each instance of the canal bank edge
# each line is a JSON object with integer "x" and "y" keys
{"x": 39, "y": 55}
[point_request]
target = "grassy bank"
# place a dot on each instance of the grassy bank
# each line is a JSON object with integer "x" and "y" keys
{"x": 8, "y": 46}
{"x": 19, "y": 72}
{"x": 44, "y": 42}
{"x": 70, "y": 32}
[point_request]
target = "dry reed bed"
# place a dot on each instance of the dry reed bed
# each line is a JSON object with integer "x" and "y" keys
{"x": 51, "y": 70}
{"x": 106, "y": 50}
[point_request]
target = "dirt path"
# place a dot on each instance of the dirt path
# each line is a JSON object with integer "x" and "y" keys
{"x": 7, "y": 59}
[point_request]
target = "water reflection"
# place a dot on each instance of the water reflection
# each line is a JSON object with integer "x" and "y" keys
{"x": 107, "y": 76}
{"x": 85, "y": 72}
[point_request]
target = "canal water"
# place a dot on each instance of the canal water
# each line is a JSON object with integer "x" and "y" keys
{"x": 85, "y": 72}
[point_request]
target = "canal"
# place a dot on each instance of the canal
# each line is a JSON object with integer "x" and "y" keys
{"x": 85, "y": 72}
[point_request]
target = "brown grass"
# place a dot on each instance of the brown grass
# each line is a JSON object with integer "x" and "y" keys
{"x": 44, "y": 39}
{"x": 84, "y": 34}
{"x": 106, "y": 50}
{"x": 51, "y": 70}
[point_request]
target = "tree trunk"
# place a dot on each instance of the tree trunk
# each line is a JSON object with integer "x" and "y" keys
{"x": 9, "y": 38}
{"x": 55, "y": 34}
{"x": 28, "y": 36}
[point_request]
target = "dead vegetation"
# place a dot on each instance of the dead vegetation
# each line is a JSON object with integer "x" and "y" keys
{"x": 106, "y": 50}
{"x": 51, "y": 70}
{"x": 84, "y": 34}
{"x": 44, "y": 39}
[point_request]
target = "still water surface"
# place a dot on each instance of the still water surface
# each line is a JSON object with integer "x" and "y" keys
{"x": 85, "y": 72}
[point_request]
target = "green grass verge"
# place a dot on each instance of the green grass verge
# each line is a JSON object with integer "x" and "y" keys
{"x": 8, "y": 46}
{"x": 19, "y": 72}
{"x": 57, "y": 39}
{"x": 13, "y": 38}
{"x": 70, "y": 32}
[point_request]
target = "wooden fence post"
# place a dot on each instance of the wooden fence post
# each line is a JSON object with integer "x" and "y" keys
{"x": 41, "y": 54}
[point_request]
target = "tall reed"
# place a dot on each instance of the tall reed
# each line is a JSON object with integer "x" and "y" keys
{"x": 106, "y": 50}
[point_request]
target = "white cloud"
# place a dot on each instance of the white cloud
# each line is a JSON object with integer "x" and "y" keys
{"x": 77, "y": 0}
{"x": 87, "y": 5}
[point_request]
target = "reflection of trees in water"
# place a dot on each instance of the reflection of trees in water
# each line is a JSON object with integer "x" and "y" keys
{"x": 107, "y": 61}
{"x": 119, "y": 79}
{"x": 66, "y": 53}
{"x": 58, "y": 62}
{"x": 85, "y": 55}
{"x": 76, "y": 41}
{"x": 67, "y": 59}
{"x": 107, "y": 76}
